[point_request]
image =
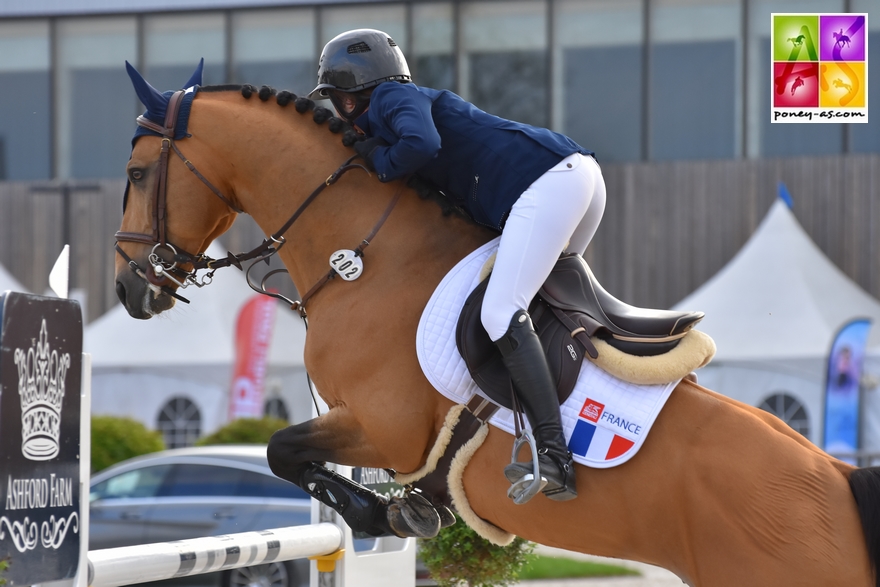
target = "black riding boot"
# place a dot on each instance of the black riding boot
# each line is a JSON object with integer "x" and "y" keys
{"x": 525, "y": 361}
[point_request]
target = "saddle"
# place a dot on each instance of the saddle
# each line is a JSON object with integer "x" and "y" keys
{"x": 569, "y": 309}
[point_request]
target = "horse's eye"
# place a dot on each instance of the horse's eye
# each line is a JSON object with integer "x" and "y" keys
{"x": 136, "y": 174}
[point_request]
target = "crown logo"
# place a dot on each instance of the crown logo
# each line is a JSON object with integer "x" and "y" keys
{"x": 41, "y": 377}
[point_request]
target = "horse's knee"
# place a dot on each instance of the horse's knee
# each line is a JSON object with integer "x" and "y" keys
{"x": 281, "y": 455}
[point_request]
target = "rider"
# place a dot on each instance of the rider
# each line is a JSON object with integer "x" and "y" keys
{"x": 542, "y": 191}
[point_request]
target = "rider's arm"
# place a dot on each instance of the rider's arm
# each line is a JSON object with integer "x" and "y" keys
{"x": 402, "y": 116}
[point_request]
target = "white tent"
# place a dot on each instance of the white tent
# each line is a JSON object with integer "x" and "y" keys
{"x": 8, "y": 282}
{"x": 139, "y": 366}
{"x": 773, "y": 312}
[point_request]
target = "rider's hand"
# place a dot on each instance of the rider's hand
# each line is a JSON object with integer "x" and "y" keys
{"x": 367, "y": 147}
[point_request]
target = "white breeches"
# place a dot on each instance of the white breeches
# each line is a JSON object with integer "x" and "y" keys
{"x": 562, "y": 207}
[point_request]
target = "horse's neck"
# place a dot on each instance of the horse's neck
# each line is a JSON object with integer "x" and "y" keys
{"x": 281, "y": 156}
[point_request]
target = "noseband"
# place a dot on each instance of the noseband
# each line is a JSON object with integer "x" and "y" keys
{"x": 161, "y": 273}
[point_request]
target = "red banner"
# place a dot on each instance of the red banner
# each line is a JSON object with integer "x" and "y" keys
{"x": 253, "y": 333}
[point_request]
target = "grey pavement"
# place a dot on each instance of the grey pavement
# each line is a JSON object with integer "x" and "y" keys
{"x": 650, "y": 576}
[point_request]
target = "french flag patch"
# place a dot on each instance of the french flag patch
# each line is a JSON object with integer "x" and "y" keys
{"x": 591, "y": 438}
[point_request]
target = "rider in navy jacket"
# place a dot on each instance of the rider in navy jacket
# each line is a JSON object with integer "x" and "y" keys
{"x": 542, "y": 191}
{"x": 485, "y": 162}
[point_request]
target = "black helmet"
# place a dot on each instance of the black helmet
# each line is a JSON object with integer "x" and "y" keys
{"x": 357, "y": 60}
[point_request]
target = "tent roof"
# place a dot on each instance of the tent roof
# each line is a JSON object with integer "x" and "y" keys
{"x": 199, "y": 333}
{"x": 780, "y": 297}
{"x": 8, "y": 282}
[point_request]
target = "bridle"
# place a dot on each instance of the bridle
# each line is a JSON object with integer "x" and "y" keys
{"x": 161, "y": 272}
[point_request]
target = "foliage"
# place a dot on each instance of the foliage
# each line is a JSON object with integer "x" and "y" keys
{"x": 459, "y": 557}
{"x": 244, "y": 431}
{"x": 116, "y": 439}
{"x": 551, "y": 567}
{"x": 4, "y": 564}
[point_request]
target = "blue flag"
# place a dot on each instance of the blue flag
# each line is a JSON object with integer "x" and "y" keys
{"x": 842, "y": 392}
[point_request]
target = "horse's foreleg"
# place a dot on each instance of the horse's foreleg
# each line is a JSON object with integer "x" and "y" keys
{"x": 295, "y": 452}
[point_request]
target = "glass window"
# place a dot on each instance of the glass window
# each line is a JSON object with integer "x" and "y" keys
{"x": 694, "y": 89}
{"x": 201, "y": 481}
{"x": 276, "y": 408}
{"x": 173, "y": 46}
{"x": 179, "y": 422}
{"x": 390, "y": 19}
{"x": 143, "y": 482}
{"x": 780, "y": 140}
{"x": 865, "y": 138}
{"x": 275, "y": 48}
{"x": 503, "y": 67}
{"x": 789, "y": 410}
{"x": 25, "y": 150}
{"x": 258, "y": 485}
{"x": 598, "y": 76}
{"x": 95, "y": 102}
{"x": 431, "y": 57}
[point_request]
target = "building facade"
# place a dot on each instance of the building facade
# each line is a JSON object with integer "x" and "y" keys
{"x": 633, "y": 80}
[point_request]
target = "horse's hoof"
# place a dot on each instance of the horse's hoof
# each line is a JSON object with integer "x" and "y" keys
{"x": 413, "y": 517}
{"x": 447, "y": 518}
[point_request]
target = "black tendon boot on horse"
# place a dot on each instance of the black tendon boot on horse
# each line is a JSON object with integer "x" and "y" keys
{"x": 365, "y": 510}
{"x": 524, "y": 358}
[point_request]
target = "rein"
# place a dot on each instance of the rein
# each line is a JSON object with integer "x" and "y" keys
{"x": 161, "y": 271}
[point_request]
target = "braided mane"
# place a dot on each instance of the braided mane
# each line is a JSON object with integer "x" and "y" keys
{"x": 336, "y": 125}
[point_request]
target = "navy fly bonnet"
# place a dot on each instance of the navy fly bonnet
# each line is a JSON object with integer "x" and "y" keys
{"x": 157, "y": 102}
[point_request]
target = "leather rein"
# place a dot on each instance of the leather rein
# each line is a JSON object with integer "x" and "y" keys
{"x": 161, "y": 272}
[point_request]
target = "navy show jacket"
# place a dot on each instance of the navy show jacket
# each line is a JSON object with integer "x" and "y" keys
{"x": 483, "y": 163}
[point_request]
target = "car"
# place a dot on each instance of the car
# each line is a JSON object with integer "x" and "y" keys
{"x": 194, "y": 492}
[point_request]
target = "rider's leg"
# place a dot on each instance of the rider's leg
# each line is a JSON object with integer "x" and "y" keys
{"x": 542, "y": 221}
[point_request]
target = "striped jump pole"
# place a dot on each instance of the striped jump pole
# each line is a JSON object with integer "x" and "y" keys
{"x": 127, "y": 565}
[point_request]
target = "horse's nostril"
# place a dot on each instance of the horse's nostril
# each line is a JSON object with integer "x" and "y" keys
{"x": 120, "y": 292}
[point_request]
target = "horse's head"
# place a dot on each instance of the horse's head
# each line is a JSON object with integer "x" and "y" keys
{"x": 162, "y": 237}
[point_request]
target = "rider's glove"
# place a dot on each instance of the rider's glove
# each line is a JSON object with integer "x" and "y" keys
{"x": 367, "y": 147}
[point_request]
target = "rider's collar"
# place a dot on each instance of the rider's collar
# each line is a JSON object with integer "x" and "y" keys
{"x": 363, "y": 123}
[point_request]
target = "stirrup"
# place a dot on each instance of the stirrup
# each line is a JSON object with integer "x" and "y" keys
{"x": 529, "y": 484}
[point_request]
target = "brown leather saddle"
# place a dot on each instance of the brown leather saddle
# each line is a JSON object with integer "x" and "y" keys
{"x": 569, "y": 309}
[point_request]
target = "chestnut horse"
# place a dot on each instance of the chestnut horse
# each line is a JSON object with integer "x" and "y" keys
{"x": 722, "y": 494}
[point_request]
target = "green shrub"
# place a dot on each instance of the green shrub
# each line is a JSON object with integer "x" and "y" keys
{"x": 4, "y": 564}
{"x": 115, "y": 439}
{"x": 244, "y": 431}
{"x": 459, "y": 557}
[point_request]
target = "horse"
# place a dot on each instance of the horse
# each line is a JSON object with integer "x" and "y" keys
{"x": 839, "y": 83}
{"x": 721, "y": 494}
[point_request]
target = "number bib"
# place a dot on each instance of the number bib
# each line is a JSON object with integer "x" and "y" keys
{"x": 348, "y": 265}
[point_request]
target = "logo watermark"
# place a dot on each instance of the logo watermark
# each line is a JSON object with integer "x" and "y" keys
{"x": 819, "y": 68}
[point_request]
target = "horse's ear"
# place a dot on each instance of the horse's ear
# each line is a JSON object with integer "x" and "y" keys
{"x": 148, "y": 95}
{"x": 196, "y": 79}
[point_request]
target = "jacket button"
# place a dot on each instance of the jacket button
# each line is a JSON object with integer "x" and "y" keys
{"x": 568, "y": 165}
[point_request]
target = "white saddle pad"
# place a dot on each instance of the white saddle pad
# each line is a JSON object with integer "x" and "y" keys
{"x": 605, "y": 419}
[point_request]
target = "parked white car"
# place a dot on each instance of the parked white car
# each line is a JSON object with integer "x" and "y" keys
{"x": 194, "y": 492}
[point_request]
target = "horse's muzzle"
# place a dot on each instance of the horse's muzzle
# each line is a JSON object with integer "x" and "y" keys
{"x": 141, "y": 299}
